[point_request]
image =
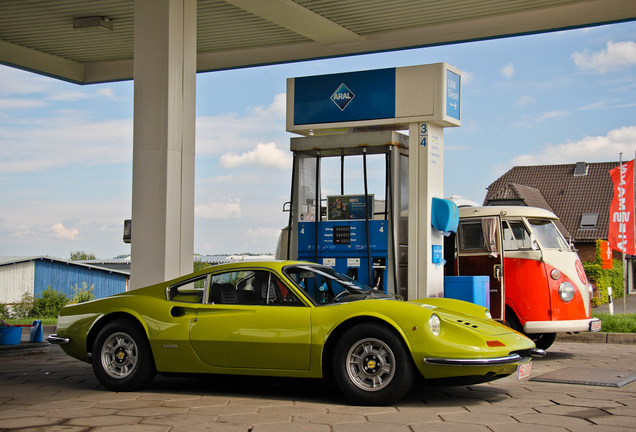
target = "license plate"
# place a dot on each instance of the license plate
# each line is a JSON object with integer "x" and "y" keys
{"x": 523, "y": 370}
{"x": 596, "y": 325}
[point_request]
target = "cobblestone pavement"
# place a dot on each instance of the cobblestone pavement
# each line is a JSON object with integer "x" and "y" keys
{"x": 51, "y": 391}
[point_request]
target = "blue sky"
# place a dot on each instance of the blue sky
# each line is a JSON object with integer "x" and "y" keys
{"x": 66, "y": 164}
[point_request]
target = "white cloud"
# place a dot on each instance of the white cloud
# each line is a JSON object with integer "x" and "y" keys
{"x": 15, "y": 81}
{"x": 551, "y": 115}
{"x": 525, "y": 100}
{"x": 616, "y": 56}
{"x": 267, "y": 237}
{"x": 277, "y": 109}
{"x": 224, "y": 208}
{"x": 264, "y": 155}
{"x": 589, "y": 149}
{"x": 467, "y": 77}
{"x": 508, "y": 70}
{"x": 68, "y": 139}
{"x": 20, "y": 104}
{"x": 231, "y": 131}
{"x": 65, "y": 233}
{"x": 35, "y": 139}
{"x": 108, "y": 92}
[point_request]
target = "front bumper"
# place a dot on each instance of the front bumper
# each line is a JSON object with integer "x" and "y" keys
{"x": 510, "y": 359}
{"x": 583, "y": 325}
{"x": 55, "y": 339}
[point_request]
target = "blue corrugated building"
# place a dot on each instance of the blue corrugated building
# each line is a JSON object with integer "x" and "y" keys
{"x": 20, "y": 275}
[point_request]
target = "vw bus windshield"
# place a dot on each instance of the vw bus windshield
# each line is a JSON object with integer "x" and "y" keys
{"x": 548, "y": 235}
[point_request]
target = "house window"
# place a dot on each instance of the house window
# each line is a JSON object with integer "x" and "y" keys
{"x": 588, "y": 221}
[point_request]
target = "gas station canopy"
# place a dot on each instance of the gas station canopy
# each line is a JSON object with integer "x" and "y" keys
{"x": 92, "y": 41}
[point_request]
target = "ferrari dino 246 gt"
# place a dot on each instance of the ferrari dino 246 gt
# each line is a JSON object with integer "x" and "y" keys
{"x": 292, "y": 319}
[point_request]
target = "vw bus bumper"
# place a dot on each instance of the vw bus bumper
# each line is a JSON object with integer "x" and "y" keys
{"x": 566, "y": 326}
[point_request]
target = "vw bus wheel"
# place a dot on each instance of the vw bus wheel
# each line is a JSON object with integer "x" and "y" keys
{"x": 371, "y": 365}
{"x": 122, "y": 360}
{"x": 543, "y": 340}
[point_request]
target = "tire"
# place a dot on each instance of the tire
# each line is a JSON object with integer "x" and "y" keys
{"x": 371, "y": 366}
{"x": 543, "y": 340}
{"x": 122, "y": 359}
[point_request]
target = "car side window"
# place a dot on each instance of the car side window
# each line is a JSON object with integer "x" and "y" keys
{"x": 250, "y": 287}
{"x": 189, "y": 291}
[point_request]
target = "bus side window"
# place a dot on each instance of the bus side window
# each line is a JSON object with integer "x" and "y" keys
{"x": 471, "y": 237}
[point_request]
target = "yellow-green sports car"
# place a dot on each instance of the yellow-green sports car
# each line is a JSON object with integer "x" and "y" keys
{"x": 292, "y": 319}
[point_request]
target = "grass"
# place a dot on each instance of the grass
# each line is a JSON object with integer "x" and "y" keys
{"x": 45, "y": 321}
{"x": 617, "y": 323}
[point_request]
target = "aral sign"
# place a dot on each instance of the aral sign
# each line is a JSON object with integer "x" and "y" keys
{"x": 392, "y": 98}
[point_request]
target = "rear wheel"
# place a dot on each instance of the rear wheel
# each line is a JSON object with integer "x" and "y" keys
{"x": 122, "y": 359}
{"x": 371, "y": 365}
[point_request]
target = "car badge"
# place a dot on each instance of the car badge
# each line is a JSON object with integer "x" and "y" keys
{"x": 342, "y": 96}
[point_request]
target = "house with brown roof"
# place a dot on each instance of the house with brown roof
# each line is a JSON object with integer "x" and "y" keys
{"x": 579, "y": 194}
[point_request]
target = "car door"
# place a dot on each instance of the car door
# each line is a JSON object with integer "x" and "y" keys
{"x": 252, "y": 321}
{"x": 479, "y": 253}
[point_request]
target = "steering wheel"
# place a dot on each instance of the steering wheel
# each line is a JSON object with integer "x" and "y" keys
{"x": 339, "y": 296}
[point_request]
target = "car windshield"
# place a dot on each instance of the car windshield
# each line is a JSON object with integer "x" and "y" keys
{"x": 323, "y": 285}
{"x": 548, "y": 234}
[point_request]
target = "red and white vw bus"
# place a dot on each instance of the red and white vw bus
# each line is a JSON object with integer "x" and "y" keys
{"x": 537, "y": 282}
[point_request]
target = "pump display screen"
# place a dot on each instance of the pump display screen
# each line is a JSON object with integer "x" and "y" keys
{"x": 342, "y": 234}
{"x": 349, "y": 207}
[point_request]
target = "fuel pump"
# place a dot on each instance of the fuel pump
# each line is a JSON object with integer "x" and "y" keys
{"x": 352, "y": 231}
{"x": 366, "y": 231}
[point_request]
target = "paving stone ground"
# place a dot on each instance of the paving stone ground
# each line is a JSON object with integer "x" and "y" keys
{"x": 51, "y": 391}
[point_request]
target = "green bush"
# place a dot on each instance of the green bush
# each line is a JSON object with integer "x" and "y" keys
{"x": 49, "y": 303}
{"x": 23, "y": 308}
{"x": 4, "y": 311}
{"x": 604, "y": 278}
{"x": 83, "y": 294}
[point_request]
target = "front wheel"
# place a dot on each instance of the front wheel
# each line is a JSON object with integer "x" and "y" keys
{"x": 122, "y": 359}
{"x": 371, "y": 365}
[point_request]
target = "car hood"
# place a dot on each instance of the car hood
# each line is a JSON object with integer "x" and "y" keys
{"x": 463, "y": 314}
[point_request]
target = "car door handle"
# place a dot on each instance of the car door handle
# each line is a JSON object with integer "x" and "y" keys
{"x": 498, "y": 272}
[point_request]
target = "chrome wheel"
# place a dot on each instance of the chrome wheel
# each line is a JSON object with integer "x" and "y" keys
{"x": 370, "y": 364}
{"x": 119, "y": 355}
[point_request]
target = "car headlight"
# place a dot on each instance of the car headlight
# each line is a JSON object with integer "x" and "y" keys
{"x": 435, "y": 324}
{"x": 566, "y": 291}
{"x": 488, "y": 315}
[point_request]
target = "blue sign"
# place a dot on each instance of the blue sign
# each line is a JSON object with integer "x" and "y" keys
{"x": 453, "y": 93}
{"x": 354, "y": 96}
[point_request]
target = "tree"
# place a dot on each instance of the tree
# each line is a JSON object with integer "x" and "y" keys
{"x": 81, "y": 256}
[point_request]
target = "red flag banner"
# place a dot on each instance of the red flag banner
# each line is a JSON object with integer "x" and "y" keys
{"x": 621, "y": 217}
{"x": 606, "y": 255}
